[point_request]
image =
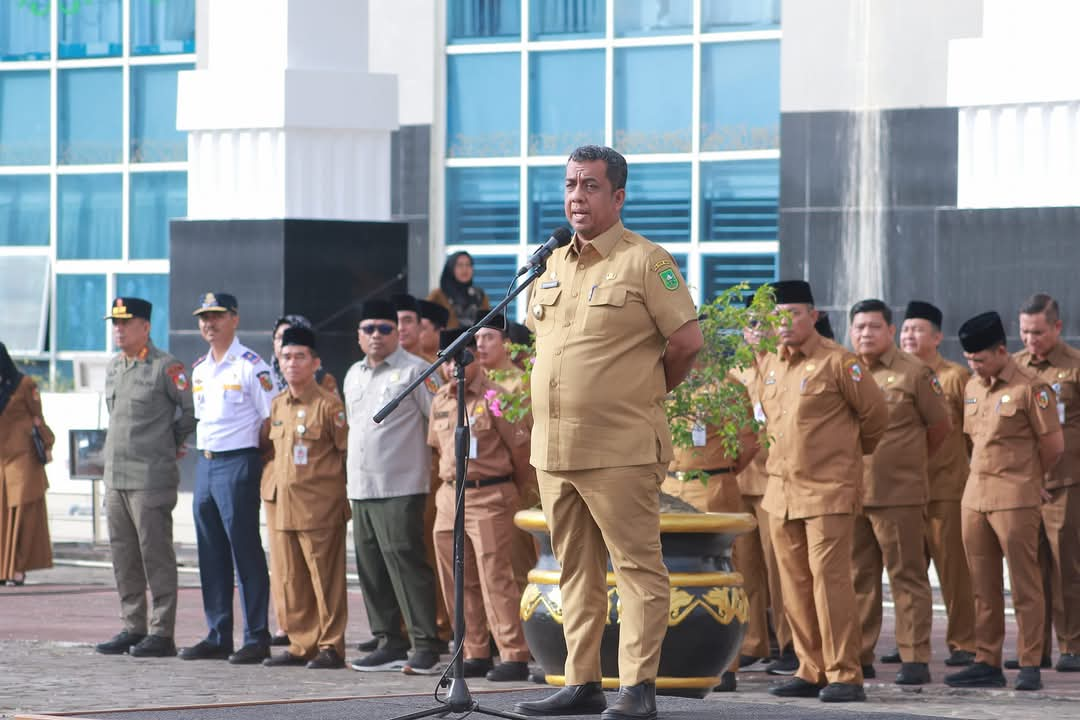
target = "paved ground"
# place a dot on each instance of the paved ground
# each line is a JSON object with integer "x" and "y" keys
{"x": 48, "y": 626}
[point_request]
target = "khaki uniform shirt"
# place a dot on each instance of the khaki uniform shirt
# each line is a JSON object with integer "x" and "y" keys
{"x": 948, "y": 468}
{"x": 1061, "y": 370}
{"x": 711, "y": 455}
{"x": 307, "y": 489}
{"x": 754, "y": 479}
{"x": 895, "y": 474}
{"x": 602, "y": 318}
{"x": 390, "y": 459}
{"x": 823, "y": 414}
{"x": 151, "y": 413}
{"x": 1005, "y": 419}
{"x": 495, "y": 437}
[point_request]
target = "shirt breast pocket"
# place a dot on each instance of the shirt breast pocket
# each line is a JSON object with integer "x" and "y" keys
{"x": 543, "y": 308}
{"x": 604, "y": 312}
{"x": 814, "y": 397}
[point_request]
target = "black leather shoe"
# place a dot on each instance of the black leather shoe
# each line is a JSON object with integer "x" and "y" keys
{"x": 636, "y": 702}
{"x": 842, "y": 693}
{"x": 477, "y": 667}
{"x": 1015, "y": 664}
{"x": 892, "y": 658}
{"x": 250, "y": 655}
{"x": 279, "y": 641}
{"x": 586, "y": 699}
{"x": 795, "y": 687}
{"x": 154, "y": 646}
{"x": 960, "y": 658}
{"x": 1068, "y": 662}
{"x": 203, "y": 650}
{"x": 119, "y": 643}
{"x": 786, "y": 664}
{"x": 283, "y": 659}
{"x": 368, "y": 645}
{"x": 1029, "y": 678}
{"x": 509, "y": 671}
{"x": 977, "y": 675}
{"x": 728, "y": 683}
{"x": 913, "y": 673}
{"x": 868, "y": 672}
{"x": 327, "y": 659}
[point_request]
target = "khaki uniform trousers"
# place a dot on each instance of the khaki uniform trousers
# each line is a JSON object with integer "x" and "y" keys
{"x": 492, "y": 598}
{"x": 592, "y": 513}
{"x": 945, "y": 546}
{"x": 814, "y": 554}
{"x": 1014, "y": 535}
{"x": 893, "y": 539}
{"x": 310, "y": 580}
{"x": 1059, "y": 557}
{"x": 141, "y": 543}
{"x": 755, "y": 559}
{"x": 523, "y": 549}
{"x": 443, "y": 623}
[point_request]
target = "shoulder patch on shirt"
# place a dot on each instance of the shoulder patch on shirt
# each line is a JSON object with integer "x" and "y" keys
{"x": 264, "y": 378}
{"x": 178, "y": 376}
{"x": 1042, "y": 399}
{"x": 339, "y": 418}
{"x": 854, "y": 370}
{"x": 197, "y": 362}
{"x": 252, "y": 357}
{"x": 431, "y": 385}
{"x": 670, "y": 279}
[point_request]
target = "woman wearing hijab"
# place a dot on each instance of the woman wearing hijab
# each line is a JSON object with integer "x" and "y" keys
{"x": 24, "y": 524}
{"x": 456, "y": 292}
{"x": 327, "y": 382}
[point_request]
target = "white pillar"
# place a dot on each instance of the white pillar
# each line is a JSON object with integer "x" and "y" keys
{"x": 284, "y": 120}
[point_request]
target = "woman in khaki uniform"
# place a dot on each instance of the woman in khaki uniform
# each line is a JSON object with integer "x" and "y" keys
{"x": 24, "y": 525}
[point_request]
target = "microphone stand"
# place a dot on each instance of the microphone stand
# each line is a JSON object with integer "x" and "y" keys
{"x": 459, "y": 700}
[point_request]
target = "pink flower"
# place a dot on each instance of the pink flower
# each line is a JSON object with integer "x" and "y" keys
{"x": 492, "y": 396}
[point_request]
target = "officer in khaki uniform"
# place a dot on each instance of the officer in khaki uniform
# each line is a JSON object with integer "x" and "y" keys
{"x": 306, "y": 508}
{"x": 151, "y": 413}
{"x": 1058, "y": 365}
{"x": 499, "y": 450}
{"x": 616, "y": 329}
{"x": 1011, "y": 419}
{"x": 890, "y": 531}
{"x": 921, "y": 335}
{"x": 823, "y": 415}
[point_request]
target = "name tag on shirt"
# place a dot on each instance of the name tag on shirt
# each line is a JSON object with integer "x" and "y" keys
{"x": 698, "y": 435}
{"x": 473, "y": 447}
{"x": 299, "y": 454}
{"x": 1061, "y": 412}
{"x": 759, "y": 413}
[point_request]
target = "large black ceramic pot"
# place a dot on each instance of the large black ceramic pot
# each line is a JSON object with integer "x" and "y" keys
{"x": 706, "y": 619}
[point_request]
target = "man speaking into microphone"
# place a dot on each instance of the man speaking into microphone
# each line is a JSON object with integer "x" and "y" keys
{"x": 616, "y": 329}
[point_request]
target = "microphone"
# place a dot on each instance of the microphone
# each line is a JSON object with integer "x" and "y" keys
{"x": 560, "y": 238}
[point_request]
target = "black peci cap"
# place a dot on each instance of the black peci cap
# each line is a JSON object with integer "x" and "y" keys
{"x": 404, "y": 302}
{"x": 125, "y": 308}
{"x": 296, "y": 335}
{"x": 437, "y": 314}
{"x": 919, "y": 310}
{"x": 789, "y": 292}
{"x": 447, "y": 337}
{"x": 379, "y": 310}
{"x": 497, "y": 322}
{"x": 982, "y": 332}
{"x": 823, "y": 326}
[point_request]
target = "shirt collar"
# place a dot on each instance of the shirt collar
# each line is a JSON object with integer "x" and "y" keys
{"x": 1005, "y": 376}
{"x": 888, "y": 357}
{"x": 807, "y": 349}
{"x": 603, "y": 243}
{"x": 394, "y": 359}
{"x": 306, "y": 397}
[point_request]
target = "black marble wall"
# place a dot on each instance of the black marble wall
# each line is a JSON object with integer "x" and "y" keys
{"x": 964, "y": 261}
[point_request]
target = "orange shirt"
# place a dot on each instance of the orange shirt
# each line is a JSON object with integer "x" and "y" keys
{"x": 1061, "y": 371}
{"x": 948, "y": 469}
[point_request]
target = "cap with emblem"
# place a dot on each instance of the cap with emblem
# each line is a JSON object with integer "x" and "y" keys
{"x": 919, "y": 310}
{"x": 447, "y": 337}
{"x": 405, "y": 302}
{"x": 378, "y": 310}
{"x": 217, "y": 302}
{"x": 437, "y": 314}
{"x": 297, "y": 335}
{"x": 982, "y": 332}
{"x": 790, "y": 292}
{"x": 823, "y": 326}
{"x": 125, "y": 308}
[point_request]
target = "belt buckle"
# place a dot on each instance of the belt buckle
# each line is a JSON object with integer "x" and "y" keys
{"x": 208, "y": 454}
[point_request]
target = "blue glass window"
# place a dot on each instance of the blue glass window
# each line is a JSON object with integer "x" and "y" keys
{"x": 722, "y": 271}
{"x": 658, "y": 202}
{"x": 739, "y": 15}
{"x": 566, "y": 19}
{"x": 653, "y": 89}
{"x": 561, "y": 80}
{"x": 24, "y": 210}
{"x": 740, "y": 200}
{"x": 493, "y": 273}
{"x": 154, "y": 288}
{"x": 740, "y": 95}
{"x": 483, "y": 105}
{"x": 156, "y": 198}
{"x": 90, "y": 29}
{"x": 24, "y": 31}
{"x": 482, "y": 206}
{"x": 477, "y": 21}
{"x": 154, "y": 137}
{"x": 653, "y": 17}
{"x": 546, "y": 202}
{"x": 80, "y": 302}
{"x": 24, "y": 118}
{"x": 162, "y": 27}
{"x": 90, "y": 109}
{"x": 89, "y": 217}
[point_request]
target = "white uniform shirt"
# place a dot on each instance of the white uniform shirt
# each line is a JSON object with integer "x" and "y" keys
{"x": 392, "y": 458}
{"x": 232, "y": 398}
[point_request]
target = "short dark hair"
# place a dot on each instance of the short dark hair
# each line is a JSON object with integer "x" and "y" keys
{"x": 870, "y": 306}
{"x": 616, "y": 164}
{"x": 1042, "y": 303}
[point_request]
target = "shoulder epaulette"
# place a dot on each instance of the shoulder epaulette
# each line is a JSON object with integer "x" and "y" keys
{"x": 196, "y": 363}
{"x": 252, "y": 357}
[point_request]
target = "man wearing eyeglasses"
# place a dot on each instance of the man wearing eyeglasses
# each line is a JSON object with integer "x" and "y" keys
{"x": 389, "y": 471}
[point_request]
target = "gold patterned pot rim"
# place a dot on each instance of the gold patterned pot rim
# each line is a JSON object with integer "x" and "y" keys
{"x": 709, "y": 522}
{"x": 705, "y": 579}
